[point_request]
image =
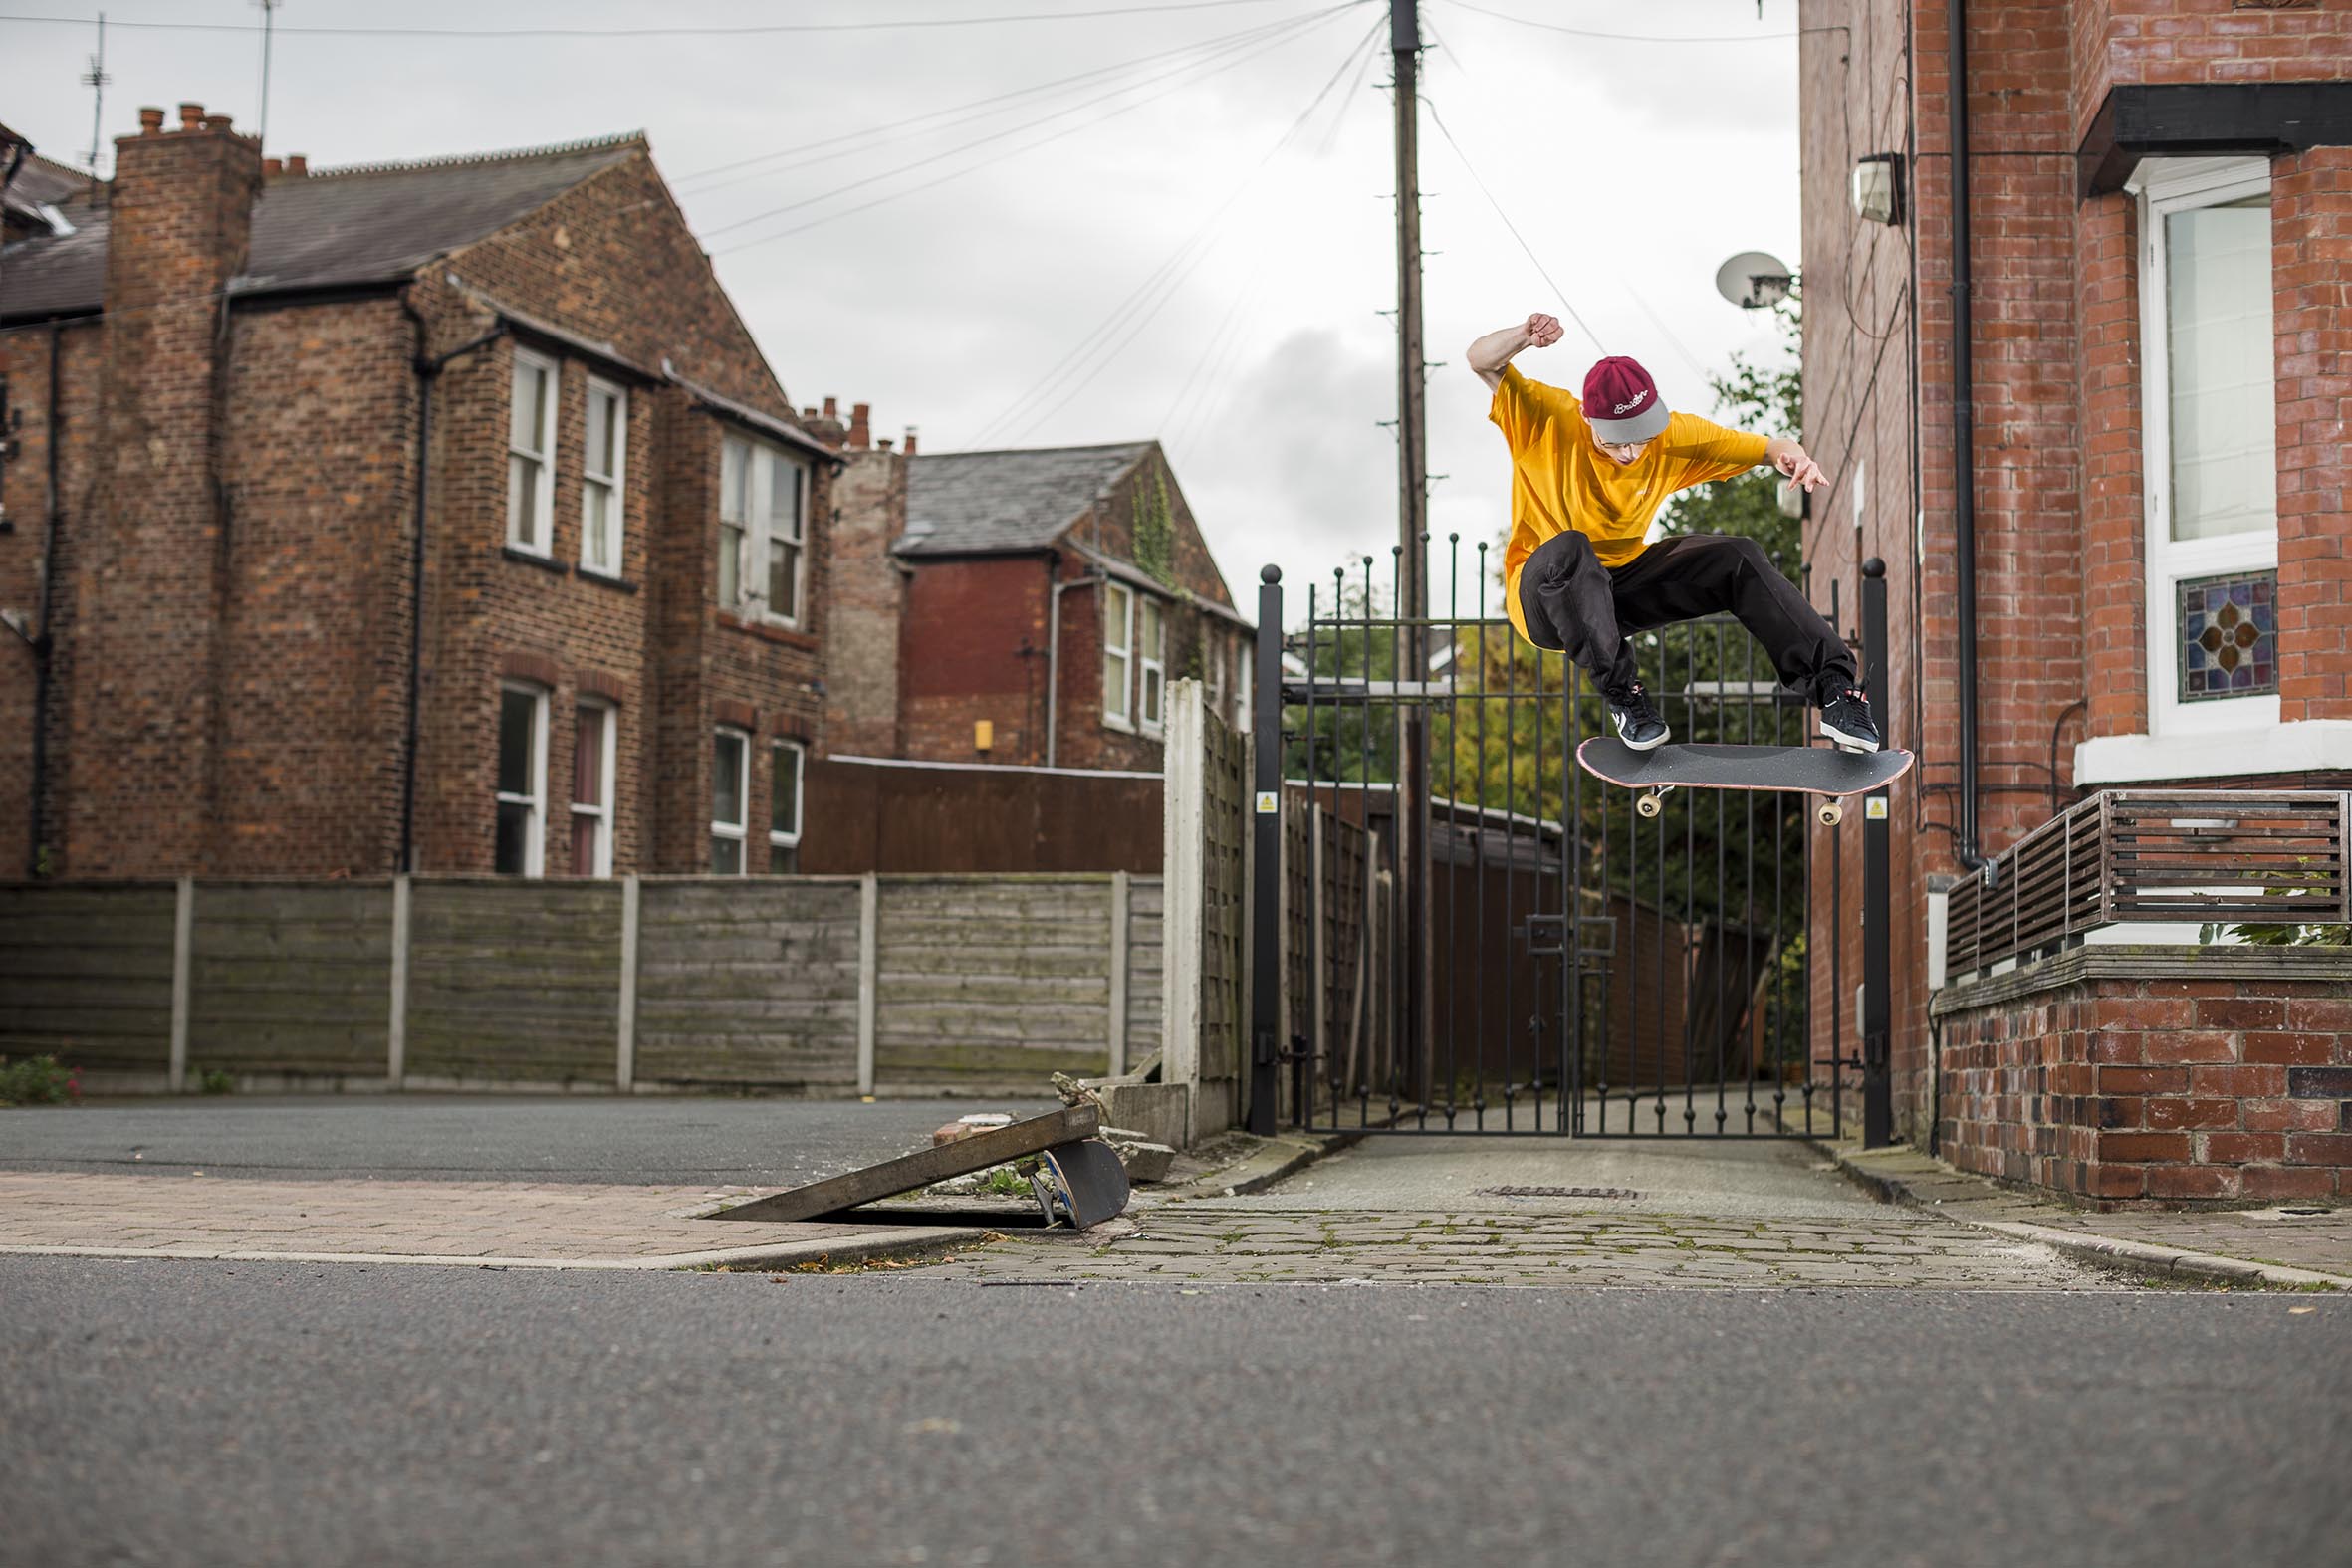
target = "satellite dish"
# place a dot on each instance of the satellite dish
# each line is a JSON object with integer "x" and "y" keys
{"x": 1753, "y": 280}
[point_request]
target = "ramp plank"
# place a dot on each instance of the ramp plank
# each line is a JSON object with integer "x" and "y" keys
{"x": 922, "y": 1168}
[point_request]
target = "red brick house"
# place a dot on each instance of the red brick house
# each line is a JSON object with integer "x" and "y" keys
{"x": 438, "y": 515}
{"x": 1022, "y": 607}
{"x": 2156, "y": 383}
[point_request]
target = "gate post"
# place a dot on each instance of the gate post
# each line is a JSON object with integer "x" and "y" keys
{"x": 1877, "y": 913}
{"x": 1266, "y": 827}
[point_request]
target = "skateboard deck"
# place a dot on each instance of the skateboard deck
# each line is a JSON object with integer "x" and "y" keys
{"x": 1082, "y": 1183}
{"x": 1824, "y": 771}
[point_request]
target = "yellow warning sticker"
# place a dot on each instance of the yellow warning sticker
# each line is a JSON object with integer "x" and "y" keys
{"x": 1268, "y": 803}
{"x": 1874, "y": 808}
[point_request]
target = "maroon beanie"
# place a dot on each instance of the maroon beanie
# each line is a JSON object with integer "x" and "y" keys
{"x": 1621, "y": 402}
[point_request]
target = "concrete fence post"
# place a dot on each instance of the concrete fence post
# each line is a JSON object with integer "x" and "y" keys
{"x": 1182, "y": 863}
{"x": 1119, "y": 893}
{"x": 184, "y": 933}
{"x": 869, "y": 949}
{"x": 625, "y": 1076}
{"x": 395, "y": 1067}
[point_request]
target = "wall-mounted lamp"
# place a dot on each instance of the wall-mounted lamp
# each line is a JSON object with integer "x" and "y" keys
{"x": 1878, "y": 187}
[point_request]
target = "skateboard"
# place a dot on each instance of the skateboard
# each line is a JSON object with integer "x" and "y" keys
{"x": 1826, "y": 771}
{"x": 1082, "y": 1183}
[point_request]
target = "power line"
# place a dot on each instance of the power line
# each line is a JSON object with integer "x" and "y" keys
{"x": 1622, "y": 38}
{"x": 1471, "y": 169}
{"x": 958, "y": 108}
{"x": 1009, "y": 152}
{"x": 1174, "y": 269}
{"x": 1281, "y": 33}
{"x": 735, "y": 31}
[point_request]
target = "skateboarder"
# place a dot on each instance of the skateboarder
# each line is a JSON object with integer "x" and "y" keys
{"x": 1587, "y": 476}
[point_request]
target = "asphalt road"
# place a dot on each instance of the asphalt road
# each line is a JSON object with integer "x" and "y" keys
{"x": 243, "y": 1413}
{"x": 540, "y": 1138}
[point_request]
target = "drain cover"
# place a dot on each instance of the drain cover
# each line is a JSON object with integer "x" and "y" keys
{"x": 1558, "y": 1191}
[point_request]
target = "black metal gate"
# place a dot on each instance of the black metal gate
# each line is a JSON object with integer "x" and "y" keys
{"x": 1467, "y": 933}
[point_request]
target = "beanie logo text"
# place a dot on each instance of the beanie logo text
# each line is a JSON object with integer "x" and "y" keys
{"x": 1636, "y": 402}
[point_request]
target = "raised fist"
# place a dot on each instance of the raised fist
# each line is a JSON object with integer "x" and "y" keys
{"x": 1542, "y": 330}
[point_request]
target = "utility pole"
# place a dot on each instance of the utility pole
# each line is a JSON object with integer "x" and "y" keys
{"x": 1412, "y": 608}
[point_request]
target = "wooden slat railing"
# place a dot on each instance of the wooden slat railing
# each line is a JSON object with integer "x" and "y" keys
{"x": 2250, "y": 855}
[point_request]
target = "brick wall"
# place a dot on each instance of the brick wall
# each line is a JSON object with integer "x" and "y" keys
{"x": 143, "y": 754}
{"x": 975, "y": 648}
{"x": 2056, "y": 358}
{"x": 2117, "y": 1074}
{"x": 231, "y": 636}
{"x": 867, "y": 607}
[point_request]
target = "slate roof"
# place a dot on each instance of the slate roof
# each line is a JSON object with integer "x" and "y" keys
{"x": 994, "y": 503}
{"x": 376, "y": 223}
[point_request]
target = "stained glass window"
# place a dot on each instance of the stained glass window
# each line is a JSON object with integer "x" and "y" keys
{"x": 2228, "y": 628}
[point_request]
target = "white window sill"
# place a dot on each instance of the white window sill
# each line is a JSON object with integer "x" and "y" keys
{"x": 2303, "y": 747}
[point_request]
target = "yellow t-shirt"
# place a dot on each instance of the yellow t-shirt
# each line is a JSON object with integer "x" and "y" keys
{"x": 1559, "y": 480}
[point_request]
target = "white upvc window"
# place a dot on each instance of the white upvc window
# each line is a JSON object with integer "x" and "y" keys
{"x": 1212, "y": 669}
{"x": 787, "y": 759}
{"x": 1118, "y": 655}
{"x": 2209, "y": 423}
{"x": 763, "y": 531}
{"x": 603, "y": 482}
{"x": 1152, "y": 660}
{"x": 595, "y": 748}
{"x": 521, "y": 843}
{"x": 531, "y": 455}
{"x": 731, "y": 793}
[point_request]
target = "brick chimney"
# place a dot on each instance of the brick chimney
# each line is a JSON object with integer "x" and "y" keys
{"x": 861, "y": 431}
{"x": 909, "y": 447}
{"x": 299, "y": 163}
{"x": 142, "y": 776}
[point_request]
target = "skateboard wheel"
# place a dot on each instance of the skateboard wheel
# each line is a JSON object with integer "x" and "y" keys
{"x": 1830, "y": 813}
{"x": 1649, "y": 805}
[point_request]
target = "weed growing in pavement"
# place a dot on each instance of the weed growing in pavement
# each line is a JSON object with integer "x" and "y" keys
{"x": 215, "y": 1082}
{"x": 38, "y": 1080}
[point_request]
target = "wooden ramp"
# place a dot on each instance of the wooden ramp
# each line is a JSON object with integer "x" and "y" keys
{"x": 920, "y": 1169}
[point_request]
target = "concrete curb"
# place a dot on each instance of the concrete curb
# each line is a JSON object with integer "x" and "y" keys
{"x": 2138, "y": 1258}
{"x": 2112, "y": 1254}
{"x": 1284, "y": 1154}
{"x": 899, "y": 1241}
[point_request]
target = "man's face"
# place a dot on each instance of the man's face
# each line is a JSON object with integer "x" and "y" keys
{"x": 1623, "y": 453}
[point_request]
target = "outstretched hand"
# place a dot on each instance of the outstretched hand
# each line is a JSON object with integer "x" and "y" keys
{"x": 1793, "y": 464}
{"x": 1542, "y": 330}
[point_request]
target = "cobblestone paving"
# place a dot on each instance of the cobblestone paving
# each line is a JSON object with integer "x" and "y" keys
{"x": 1227, "y": 1243}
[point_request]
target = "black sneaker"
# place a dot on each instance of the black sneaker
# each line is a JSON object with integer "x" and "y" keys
{"x": 1846, "y": 719}
{"x": 1638, "y": 723}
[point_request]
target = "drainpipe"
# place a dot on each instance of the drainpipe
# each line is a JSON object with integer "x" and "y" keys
{"x": 1092, "y": 576}
{"x": 1964, "y": 437}
{"x": 428, "y": 369}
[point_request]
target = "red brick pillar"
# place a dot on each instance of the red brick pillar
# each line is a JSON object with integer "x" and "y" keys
{"x": 2311, "y": 306}
{"x": 148, "y": 586}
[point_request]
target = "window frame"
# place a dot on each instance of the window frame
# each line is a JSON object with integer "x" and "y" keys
{"x": 761, "y": 459}
{"x": 787, "y": 838}
{"x": 738, "y": 832}
{"x": 1151, "y": 668}
{"x": 614, "y": 482}
{"x": 1121, "y": 648}
{"x": 2162, "y": 188}
{"x": 535, "y": 839}
{"x": 1244, "y": 672}
{"x": 544, "y": 496}
{"x": 608, "y": 776}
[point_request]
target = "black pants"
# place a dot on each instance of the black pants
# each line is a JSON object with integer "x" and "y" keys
{"x": 1571, "y": 602}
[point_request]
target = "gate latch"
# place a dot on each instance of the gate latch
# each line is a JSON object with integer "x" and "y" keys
{"x": 1546, "y": 935}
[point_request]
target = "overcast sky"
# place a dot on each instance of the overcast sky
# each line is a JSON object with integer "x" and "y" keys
{"x": 992, "y": 307}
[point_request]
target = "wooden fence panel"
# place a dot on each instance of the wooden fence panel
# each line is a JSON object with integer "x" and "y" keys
{"x": 992, "y": 980}
{"x": 749, "y": 981}
{"x": 291, "y": 978}
{"x": 1146, "y": 910}
{"x": 515, "y": 981}
{"x": 86, "y": 975}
